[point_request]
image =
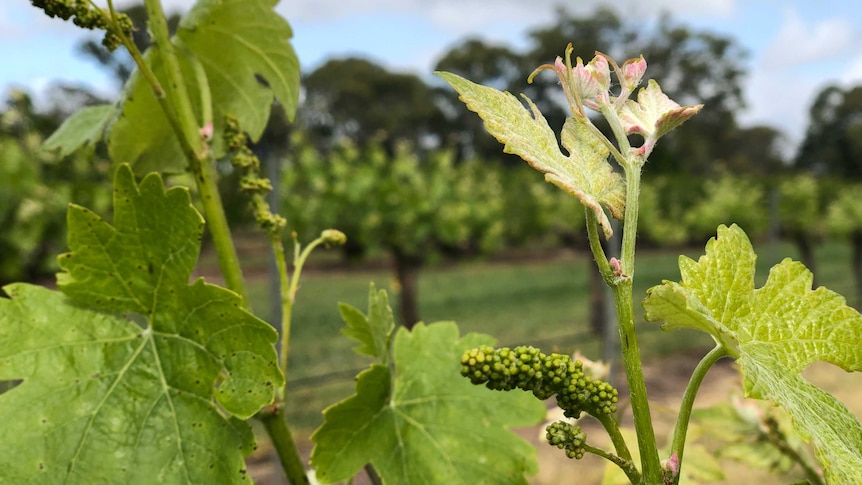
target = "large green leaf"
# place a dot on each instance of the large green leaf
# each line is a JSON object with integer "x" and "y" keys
{"x": 132, "y": 376}
{"x": 774, "y": 332}
{"x": 425, "y": 423}
{"x": 244, "y": 50}
{"x": 584, "y": 173}
{"x": 237, "y": 41}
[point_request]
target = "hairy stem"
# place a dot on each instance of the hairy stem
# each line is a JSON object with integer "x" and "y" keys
{"x": 630, "y": 222}
{"x": 635, "y": 378}
{"x": 623, "y": 297}
{"x": 596, "y": 247}
{"x": 681, "y": 428}
{"x": 178, "y": 111}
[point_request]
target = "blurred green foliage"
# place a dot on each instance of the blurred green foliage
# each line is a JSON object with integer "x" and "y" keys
{"x": 35, "y": 188}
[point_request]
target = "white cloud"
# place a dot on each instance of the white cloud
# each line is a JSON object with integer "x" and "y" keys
{"x": 797, "y": 42}
{"x": 853, "y": 74}
{"x": 779, "y": 101}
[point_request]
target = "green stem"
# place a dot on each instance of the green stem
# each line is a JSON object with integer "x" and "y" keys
{"x": 289, "y": 287}
{"x": 285, "y": 446}
{"x": 612, "y": 427}
{"x": 626, "y": 465}
{"x": 286, "y": 305}
{"x": 176, "y": 86}
{"x": 180, "y": 115}
{"x": 678, "y": 446}
{"x": 637, "y": 386}
{"x": 630, "y": 222}
{"x": 205, "y": 175}
{"x": 596, "y": 247}
{"x": 623, "y": 298}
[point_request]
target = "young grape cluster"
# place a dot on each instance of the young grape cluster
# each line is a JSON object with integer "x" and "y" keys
{"x": 529, "y": 369}
{"x": 251, "y": 183}
{"x": 568, "y": 437}
{"x": 84, "y": 15}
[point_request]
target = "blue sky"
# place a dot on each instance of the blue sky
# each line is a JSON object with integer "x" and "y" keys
{"x": 796, "y": 47}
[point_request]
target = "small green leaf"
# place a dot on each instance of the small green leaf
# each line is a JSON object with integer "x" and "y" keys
{"x": 245, "y": 52}
{"x": 774, "y": 332}
{"x": 584, "y": 173}
{"x": 132, "y": 375}
{"x": 373, "y": 331}
{"x": 654, "y": 114}
{"x": 425, "y": 424}
{"x": 85, "y": 127}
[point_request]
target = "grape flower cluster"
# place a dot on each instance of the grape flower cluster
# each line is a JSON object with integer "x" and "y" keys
{"x": 529, "y": 369}
{"x": 251, "y": 183}
{"x": 568, "y": 437}
{"x": 84, "y": 15}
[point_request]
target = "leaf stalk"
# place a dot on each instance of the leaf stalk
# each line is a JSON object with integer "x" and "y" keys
{"x": 685, "y": 407}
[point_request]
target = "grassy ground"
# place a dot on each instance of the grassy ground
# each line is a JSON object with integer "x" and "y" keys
{"x": 542, "y": 303}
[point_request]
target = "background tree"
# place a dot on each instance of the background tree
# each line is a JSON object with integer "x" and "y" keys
{"x": 844, "y": 218}
{"x": 801, "y": 207}
{"x": 360, "y": 100}
{"x": 413, "y": 208}
{"x": 833, "y": 148}
{"x": 833, "y": 141}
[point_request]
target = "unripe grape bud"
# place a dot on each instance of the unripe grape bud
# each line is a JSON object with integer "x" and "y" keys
{"x": 333, "y": 237}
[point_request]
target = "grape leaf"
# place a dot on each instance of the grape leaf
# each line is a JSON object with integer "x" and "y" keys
{"x": 85, "y": 127}
{"x": 374, "y": 331}
{"x": 584, "y": 173}
{"x": 423, "y": 422}
{"x": 654, "y": 114}
{"x": 243, "y": 47}
{"x": 774, "y": 332}
{"x": 132, "y": 375}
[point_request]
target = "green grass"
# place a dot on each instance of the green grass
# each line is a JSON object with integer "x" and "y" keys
{"x": 541, "y": 303}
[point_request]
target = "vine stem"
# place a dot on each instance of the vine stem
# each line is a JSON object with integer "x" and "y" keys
{"x": 285, "y": 446}
{"x": 177, "y": 108}
{"x": 678, "y": 445}
{"x": 289, "y": 287}
{"x": 627, "y": 466}
{"x": 612, "y": 427}
{"x": 621, "y": 285}
{"x": 272, "y": 418}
